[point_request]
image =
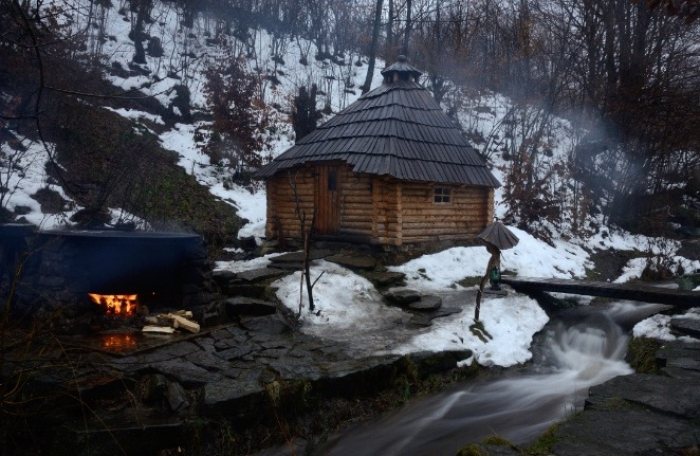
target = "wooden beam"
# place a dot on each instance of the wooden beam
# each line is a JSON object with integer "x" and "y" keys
{"x": 632, "y": 292}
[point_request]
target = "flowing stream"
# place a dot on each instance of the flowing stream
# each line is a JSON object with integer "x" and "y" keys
{"x": 578, "y": 349}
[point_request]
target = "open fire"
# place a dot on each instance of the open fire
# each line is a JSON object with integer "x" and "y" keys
{"x": 119, "y": 305}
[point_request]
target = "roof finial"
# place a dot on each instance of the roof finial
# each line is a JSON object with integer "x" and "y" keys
{"x": 400, "y": 71}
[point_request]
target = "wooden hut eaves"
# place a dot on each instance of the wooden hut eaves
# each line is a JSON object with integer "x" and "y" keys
{"x": 390, "y": 165}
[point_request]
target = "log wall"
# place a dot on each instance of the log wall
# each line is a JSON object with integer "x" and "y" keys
{"x": 282, "y": 219}
{"x": 467, "y": 213}
{"x": 383, "y": 209}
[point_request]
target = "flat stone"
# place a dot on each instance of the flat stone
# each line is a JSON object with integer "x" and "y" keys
{"x": 143, "y": 361}
{"x": 273, "y": 353}
{"x": 233, "y": 397}
{"x": 419, "y": 321}
{"x": 237, "y": 352}
{"x": 270, "y": 324}
{"x": 241, "y": 305}
{"x": 298, "y": 257}
{"x": 431, "y": 362}
{"x": 687, "y": 326}
{"x": 290, "y": 369}
{"x": 354, "y": 261}
{"x": 681, "y": 373}
{"x": 177, "y": 397}
{"x": 426, "y": 303}
{"x": 652, "y": 392}
{"x": 186, "y": 372}
{"x": 206, "y": 360}
{"x": 260, "y": 275}
{"x": 445, "y": 312}
{"x": 222, "y": 277}
{"x": 402, "y": 297}
{"x": 240, "y": 288}
{"x": 386, "y": 278}
{"x": 622, "y": 431}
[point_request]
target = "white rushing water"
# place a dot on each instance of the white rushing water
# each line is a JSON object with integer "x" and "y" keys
{"x": 578, "y": 352}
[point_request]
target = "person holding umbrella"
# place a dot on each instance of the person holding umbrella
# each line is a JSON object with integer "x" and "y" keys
{"x": 495, "y": 237}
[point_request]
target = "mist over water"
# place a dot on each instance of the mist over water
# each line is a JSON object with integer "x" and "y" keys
{"x": 572, "y": 357}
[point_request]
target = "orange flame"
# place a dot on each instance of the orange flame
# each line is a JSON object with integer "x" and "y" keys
{"x": 123, "y": 305}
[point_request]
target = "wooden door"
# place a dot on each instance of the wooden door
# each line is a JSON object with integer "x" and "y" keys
{"x": 327, "y": 199}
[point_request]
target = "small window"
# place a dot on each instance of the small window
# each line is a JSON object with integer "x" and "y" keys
{"x": 442, "y": 195}
{"x": 332, "y": 181}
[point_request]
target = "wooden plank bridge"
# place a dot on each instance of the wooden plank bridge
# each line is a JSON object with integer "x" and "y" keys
{"x": 632, "y": 292}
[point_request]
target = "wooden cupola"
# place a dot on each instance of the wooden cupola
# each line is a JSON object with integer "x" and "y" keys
{"x": 400, "y": 71}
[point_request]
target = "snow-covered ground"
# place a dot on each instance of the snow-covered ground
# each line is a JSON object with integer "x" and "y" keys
{"x": 349, "y": 309}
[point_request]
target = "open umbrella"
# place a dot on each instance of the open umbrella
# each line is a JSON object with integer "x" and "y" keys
{"x": 499, "y": 236}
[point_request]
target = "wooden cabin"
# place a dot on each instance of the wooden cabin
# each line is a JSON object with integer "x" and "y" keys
{"x": 391, "y": 169}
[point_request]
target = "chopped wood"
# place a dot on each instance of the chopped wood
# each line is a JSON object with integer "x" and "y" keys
{"x": 182, "y": 322}
{"x": 158, "y": 329}
{"x": 184, "y": 313}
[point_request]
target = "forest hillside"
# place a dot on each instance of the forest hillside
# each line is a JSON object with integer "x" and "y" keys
{"x": 155, "y": 113}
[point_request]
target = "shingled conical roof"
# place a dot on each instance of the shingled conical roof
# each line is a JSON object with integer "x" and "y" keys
{"x": 397, "y": 129}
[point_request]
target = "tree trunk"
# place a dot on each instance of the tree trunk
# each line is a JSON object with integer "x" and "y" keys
{"x": 373, "y": 47}
{"x": 407, "y": 31}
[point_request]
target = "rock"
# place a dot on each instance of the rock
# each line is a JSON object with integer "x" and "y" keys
{"x": 222, "y": 278}
{"x": 248, "y": 243}
{"x": 234, "y": 398}
{"x": 402, "y": 297}
{"x": 426, "y": 303}
{"x": 431, "y": 363}
{"x": 298, "y": 257}
{"x": 271, "y": 324}
{"x": 444, "y": 312}
{"x": 386, "y": 278}
{"x": 651, "y": 392}
{"x": 679, "y": 360}
{"x": 686, "y": 326}
{"x": 248, "y": 306}
{"x": 258, "y": 291}
{"x": 354, "y": 261}
{"x": 260, "y": 274}
{"x": 419, "y": 321}
{"x": 177, "y": 397}
{"x": 622, "y": 430}
{"x": 153, "y": 388}
{"x": 186, "y": 372}
{"x": 639, "y": 413}
{"x": 237, "y": 352}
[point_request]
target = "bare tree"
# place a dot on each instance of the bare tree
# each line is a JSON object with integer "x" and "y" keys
{"x": 376, "y": 24}
{"x": 306, "y": 230}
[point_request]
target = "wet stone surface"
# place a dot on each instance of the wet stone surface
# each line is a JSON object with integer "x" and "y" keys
{"x": 220, "y": 372}
{"x": 640, "y": 414}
